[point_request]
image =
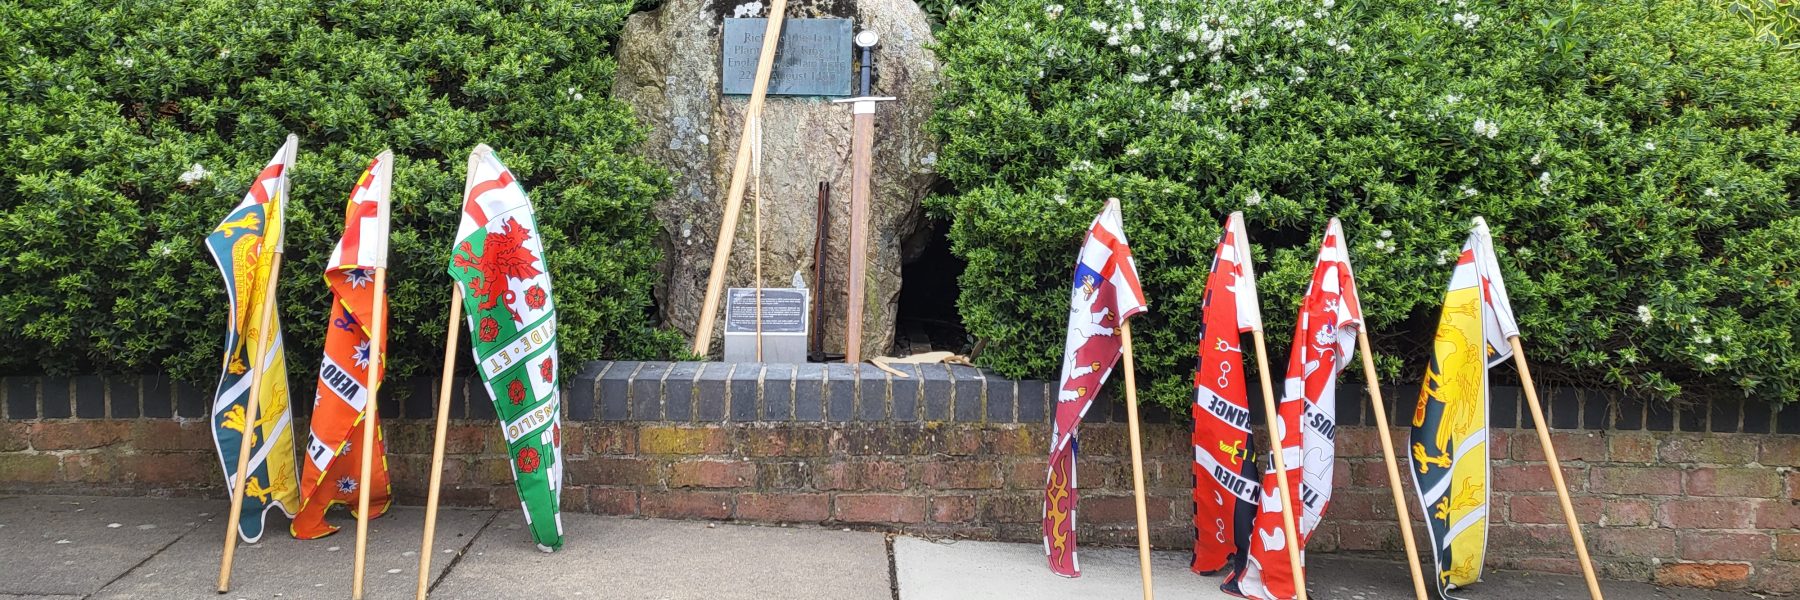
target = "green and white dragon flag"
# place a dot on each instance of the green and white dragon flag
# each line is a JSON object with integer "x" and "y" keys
{"x": 498, "y": 259}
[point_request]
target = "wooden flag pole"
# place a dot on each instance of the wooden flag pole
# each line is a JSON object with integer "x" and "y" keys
{"x": 370, "y": 412}
{"x": 1281, "y": 480}
{"x": 241, "y": 476}
{"x": 1556, "y": 476}
{"x": 437, "y": 442}
{"x": 1393, "y": 468}
{"x": 765, "y": 63}
{"x": 1137, "y": 461}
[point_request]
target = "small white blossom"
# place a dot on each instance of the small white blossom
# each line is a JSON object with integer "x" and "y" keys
{"x": 1643, "y": 313}
{"x": 1650, "y": 146}
{"x": 1387, "y": 233}
{"x": 1710, "y": 358}
{"x": 1467, "y": 21}
{"x": 1139, "y": 78}
{"x": 1543, "y": 183}
{"x": 1328, "y": 3}
{"x": 1243, "y": 99}
{"x": 1537, "y": 159}
{"x": 1061, "y": 199}
{"x": 1134, "y": 50}
{"x": 1133, "y": 151}
{"x": 1113, "y": 40}
{"x": 1380, "y": 244}
{"x": 1452, "y": 99}
{"x": 1299, "y": 75}
{"x": 1193, "y": 35}
{"x": 1342, "y": 48}
{"x": 224, "y": 53}
{"x": 1253, "y": 199}
{"x": 125, "y": 61}
{"x": 1443, "y": 257}
{"x": 1053, "y": 11}
{"x": 1469, "y": 192}
{"x": 1165, "y": 25}
{"x": 194, "y": 173}
{"x": 1710, "y": 193}
{"x": 1097, "y": 26}
{"x": 1487, "y": 128}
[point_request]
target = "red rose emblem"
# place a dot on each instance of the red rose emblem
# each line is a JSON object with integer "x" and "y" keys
{"x": 556, "y": 435}
{"x": 489, "y": 330}
{"x": 535, "y": 297}
{"x": 516, "y": 391}
{"x": 528, "y": 460}
{"x": 547, "y": 369}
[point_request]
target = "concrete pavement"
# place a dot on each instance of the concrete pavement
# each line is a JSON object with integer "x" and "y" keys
{"x": 80, "y": 548}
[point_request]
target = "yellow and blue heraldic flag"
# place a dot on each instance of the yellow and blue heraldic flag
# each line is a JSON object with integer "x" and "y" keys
{"x": 498, "y": 260}
{"x": 1449, "y": 446}
{"x": 244, "y": 245}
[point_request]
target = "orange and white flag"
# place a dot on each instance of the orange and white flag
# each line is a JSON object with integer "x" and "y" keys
{"x": 333, "y": 459}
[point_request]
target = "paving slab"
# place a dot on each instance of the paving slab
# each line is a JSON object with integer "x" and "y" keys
{"x": 614, "y": 557}
{"x": 74, "y": 545}
{"x": 968, "y": 570}
{"x": 280, "y": 566}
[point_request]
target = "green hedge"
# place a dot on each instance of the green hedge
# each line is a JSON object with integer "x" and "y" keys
{"x": 104, "y": 105}
{"x": 1638, "y": 159}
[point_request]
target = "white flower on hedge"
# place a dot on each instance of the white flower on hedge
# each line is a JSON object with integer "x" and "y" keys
{"x": 1139, "y": 78}
{"x": 1484, "y": 127}
{"x": 125, "y": 61}
{"x": 1054, "y": 10}
{"x": 1193, "y": 35}
{"x": 1710, "y": 358}
{"x": 1643, "y": 313}
{"x": 1133, "y": 151}
{"x": 1651, "y": 146}
{"x": 1253, "y": 199}
{"x": 1250, "y": 98}
{"x": 1380, "y": 244}
{"x": 194, "y": 173}
{"x": 1469, "y": 192}
{"x": 1387, "y": 233}
{"x": 1113, "y": 40}
{"x": 1134, "y": 50}
{"x": 1342, "y": 48}
{"x": 1165, "y": 25}
{"x": 1467, "y": 21}
{"x": 1299, "y": 75}
{"x": 1328, "y": 3}
{"x": 1452, "y": 99}
{"x": 1443, "y": 257}
{"x": 1097, "y": 26}
{"x": 224, "y": 53}
{"x": 1183, "y": 102}
{"x": 1710, "y": 193}
{"x": 1543, "y": 183}
{"x": 1061, "y": 199}
{"x": 1537, "y": 159}
{"x": 1165, "y": 71}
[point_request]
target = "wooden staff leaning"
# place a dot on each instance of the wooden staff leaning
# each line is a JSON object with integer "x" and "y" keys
{"x": 377, "y": 326}
{"x": 1393, "y": 468}
{"x": 734, "y": 198}
{"x": 1281, "y": 481}
{"x": 265, "y": 338}
{"x": 1555, "y": 466}
{"x": 437, "y": 441}
{"x": 1137, "y": 460}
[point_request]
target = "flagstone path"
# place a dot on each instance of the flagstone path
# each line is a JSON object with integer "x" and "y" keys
{"x": 81, "y": 548}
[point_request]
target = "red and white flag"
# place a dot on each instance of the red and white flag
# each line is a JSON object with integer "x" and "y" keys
{"x": 1224, "y": 474}
{"x": 1105, "y": 293}
{"x": 1324, "y": 342}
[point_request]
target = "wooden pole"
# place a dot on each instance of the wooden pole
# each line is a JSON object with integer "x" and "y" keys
{"x": 756, "y": 219}
{"x": 862, "y": 149}
{"x": 709, "y": 309}
{"x": 239, "y": 478}
{"x": 1137, "y": 461}
{"x": 1393, "y": 468}
{"x": 1281, "y": 480}
{"x": 1556, "y": 476}
{"x": 437, "y": 442}
{"x": 818, "y": 285}
{"x": 370, "y": 412}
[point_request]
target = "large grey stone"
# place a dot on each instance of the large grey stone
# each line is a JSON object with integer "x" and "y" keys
{"x": 669, "y": 74}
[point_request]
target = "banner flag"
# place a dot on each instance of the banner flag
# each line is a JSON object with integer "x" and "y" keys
{"x": 1105, "y": 293}
{"x": 244, "y": 246}
{"x": 499, "y": 259}
{"x": 333, "y": 465}
{"x": 1324, "y": 342}
{"x": 1449, "y": 456}
{"x": 1225, "y": 479}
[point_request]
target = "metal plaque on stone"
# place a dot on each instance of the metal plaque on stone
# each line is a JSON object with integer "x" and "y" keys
{"x": 813, "y": 58}
{"x": 784, "y": 324}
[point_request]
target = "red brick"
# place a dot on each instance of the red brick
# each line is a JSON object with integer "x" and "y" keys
{"x": 1700, "y": 575}
{"x": 175, "y": 469}
{"x": 1547, "y": 509}
{"x": 1011, "y": 508}
{"x": 879, "y": 508}
{"x": 1715, "y": 513}
{"x": 661, "y": 439}
{"x": 1570, "y": 446}
{"x": 19, "y": 467}
{"x": 784, "y": 475}
{"x": 1787, "y": 546}
{"x": 1778, "y": 514}
{"x": 466, "y": 438}
{"x": 953, "y": 510}
{"x": 1631, "y": 447}
{"x": 1659, "y": 481}
{"x": 1120, "y": 509}
{"x": 1358, "y": 442}
{"x": 1792, "y": 483}
{"x": 574, "y": 498}
{"x": 14, "y": 436}
{"x": 1719, "y": 449}
{"x": 784, "y": 441}
{"x": 88, "y": 467}
{"x": 1640, "y": 542}
{"x": 961, "y": 475}
{"x": 1027, "y": 474}
{"x": 1363, "y": 537}
{"x": 613, "y": 501}
{"x": 1538, "y": 564}
{"x": 686, "y": 505}
{"x": 1528, "y": 539}
{"x": 1535, "y": 477}
{"x": 1017, "y": 441}
{"x": 964, "y": 440}
{"x": 1621, "y": 512}
{"x": 862, "y": 476}
{"x": 712, "y": 474}
{"x": 574, "y": 436}
{"x": 612, "y": 439}
{"x": 78, "y": 435}
{"x": 1355, "y": 505}
{"x": 609, "y": 470}
{"x": 1780, "y": 451}
{"x": 1737, "y": 482}
{"x": 1720, "y": 545}
{"x": 784, "y": 508}
{"x": 1777, "y": 578}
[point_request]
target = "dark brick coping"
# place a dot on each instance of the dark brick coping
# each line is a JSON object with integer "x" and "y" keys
{"x": 701, "y": 392}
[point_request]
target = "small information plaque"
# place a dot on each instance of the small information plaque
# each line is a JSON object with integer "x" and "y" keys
{"x": 784, "y": 324}
{"x": 813, "y": 58}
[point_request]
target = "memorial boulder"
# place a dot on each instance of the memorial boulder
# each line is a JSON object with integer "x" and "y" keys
{"x": 685, "y": 77}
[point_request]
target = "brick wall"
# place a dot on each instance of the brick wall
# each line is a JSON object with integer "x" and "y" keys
{"x": 1704, "y": 497}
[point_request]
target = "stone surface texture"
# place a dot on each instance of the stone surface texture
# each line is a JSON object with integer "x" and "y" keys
{"x": 669, "y": 75}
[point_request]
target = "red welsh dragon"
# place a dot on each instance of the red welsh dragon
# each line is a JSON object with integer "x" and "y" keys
{"x": 504, "y": 256}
